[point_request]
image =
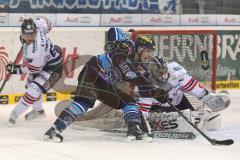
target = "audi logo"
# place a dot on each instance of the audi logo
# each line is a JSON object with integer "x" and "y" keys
{"x": 85, "y": 19}
{"x": 128, "y": 19}
{"x": 3, "y": 19}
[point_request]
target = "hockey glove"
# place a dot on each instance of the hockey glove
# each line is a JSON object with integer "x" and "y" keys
{"x": 13, "y": 69}
{"x": 160, "y": 95}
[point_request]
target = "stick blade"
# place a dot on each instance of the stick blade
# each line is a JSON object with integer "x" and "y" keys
{"x": 223, "y": 142}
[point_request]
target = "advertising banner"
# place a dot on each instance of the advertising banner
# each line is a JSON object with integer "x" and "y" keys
{"x": 228, "y": 55}
{"x": 228, "y": 20}
{"x": 16, "y": 19}
{"x": 120, "y": 19}
{"x": 78, "y": 19}
{"x": 198, "y": 19}
{"x": 3, "y": 19}
{"x": 160, "y": 20}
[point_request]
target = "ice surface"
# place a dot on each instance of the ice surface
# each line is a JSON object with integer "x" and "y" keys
{"x": 22, "y": 142}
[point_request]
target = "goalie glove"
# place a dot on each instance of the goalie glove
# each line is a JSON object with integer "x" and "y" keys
{"x": 13, "y": 69}
{"x": 215, "y": 101}
{"x": 160, "y": 95}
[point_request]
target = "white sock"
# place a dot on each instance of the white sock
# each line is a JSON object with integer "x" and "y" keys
{"x": 18, "y": 110}
{"x": 37, "y": 106}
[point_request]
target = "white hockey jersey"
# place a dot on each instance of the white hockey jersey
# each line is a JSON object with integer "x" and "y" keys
{"x": 38, "y": 53}
{"x": 179, "y": 82}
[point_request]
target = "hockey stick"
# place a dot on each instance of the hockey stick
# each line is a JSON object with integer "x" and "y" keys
{"x": 212, "y": 141}
{"x": 160, "y": 134}
{"x": 8, "y": 75}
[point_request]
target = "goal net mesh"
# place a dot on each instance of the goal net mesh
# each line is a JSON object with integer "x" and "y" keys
{"x": 194, "y": 50}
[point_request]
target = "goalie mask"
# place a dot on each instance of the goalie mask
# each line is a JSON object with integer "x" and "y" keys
{"x": 28, "y": 30}
{"x": 158, "y": 69}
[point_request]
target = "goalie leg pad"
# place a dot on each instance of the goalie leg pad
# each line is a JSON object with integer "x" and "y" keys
{"x": 213, "y": 120}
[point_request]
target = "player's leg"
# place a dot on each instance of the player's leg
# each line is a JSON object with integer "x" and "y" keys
{"x": 41, "y": 83}
{"x": 83, "y": 100}
{"x": 77, "y": 108}
{"x": 37, "y": 110}
{"x": 136, "y": 124}
{"x": 31, "y": 95}
{"x": 131, "y": 114}
{"x": 45, "y": 80}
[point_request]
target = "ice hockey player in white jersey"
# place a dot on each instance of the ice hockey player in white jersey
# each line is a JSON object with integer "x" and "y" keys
{"x": 175, "y": 79}
{"x": 42, "y": 61}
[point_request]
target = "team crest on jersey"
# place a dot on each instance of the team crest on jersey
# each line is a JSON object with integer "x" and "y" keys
{"x": 113, "y": 75}
{"x": 177, "y": 68}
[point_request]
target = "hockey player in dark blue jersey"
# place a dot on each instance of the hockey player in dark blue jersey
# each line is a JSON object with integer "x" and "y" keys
{"x": 99, "y": 80}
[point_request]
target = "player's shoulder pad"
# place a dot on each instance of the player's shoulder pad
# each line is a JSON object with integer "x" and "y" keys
{"x": 176, "y": 70}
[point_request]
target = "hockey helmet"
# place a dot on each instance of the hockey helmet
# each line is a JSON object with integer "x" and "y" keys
{"x": 28, "y": 26}
{"x": 158, "y": 68}
{"x": 28, "y": 30}
{"x": 145, "y": 42}
{"x": 116, "y": 34}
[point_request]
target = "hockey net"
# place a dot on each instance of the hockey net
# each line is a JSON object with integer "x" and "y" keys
{"x": 185, "y": 47}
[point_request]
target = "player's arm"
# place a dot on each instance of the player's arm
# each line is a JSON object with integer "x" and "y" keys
{"x": 44, "y": 24}
{"x": 33, "y": 62}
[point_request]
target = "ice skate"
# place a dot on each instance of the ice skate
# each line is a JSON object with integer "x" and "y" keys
{"x": 35, "y": 114}
{"x": 11, "y": 122}
{"x": 12, "y": 119}
{"x": 135, "y": 133}
{"x": 53, "y": 135}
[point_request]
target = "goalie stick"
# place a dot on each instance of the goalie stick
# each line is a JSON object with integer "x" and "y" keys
{"x": 156, "y": 134}
{"x": 160, "y": 134}
{"x": 17, "y": 59}
{"x": 212, "y": 141}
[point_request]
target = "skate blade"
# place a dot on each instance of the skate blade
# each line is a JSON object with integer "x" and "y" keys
{"x": 131, "y": 138}
{"x": 35, "y": 117}
{"x": 145, "y": 139}
{"x": 10, "y": 124}
{"x": 46, "y": 138}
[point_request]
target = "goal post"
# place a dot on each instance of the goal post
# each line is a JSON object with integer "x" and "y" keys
{"x": 195, "y": 50}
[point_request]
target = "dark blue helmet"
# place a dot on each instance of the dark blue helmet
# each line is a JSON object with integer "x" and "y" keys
{"x": 117, "y": 34}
